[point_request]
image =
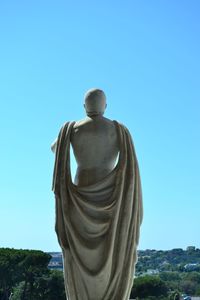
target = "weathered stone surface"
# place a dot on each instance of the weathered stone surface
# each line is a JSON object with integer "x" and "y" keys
{"x": 98, "y": 216}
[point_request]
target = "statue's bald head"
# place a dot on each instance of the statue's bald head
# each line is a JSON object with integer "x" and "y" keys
{"x": 95, "y": 102}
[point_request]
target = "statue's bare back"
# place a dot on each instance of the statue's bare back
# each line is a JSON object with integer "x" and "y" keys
{"x": 95, "y": 145}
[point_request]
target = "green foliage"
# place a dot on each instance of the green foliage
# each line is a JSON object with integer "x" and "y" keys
{"x": 170, "y": 276}
{"x": 46, "y": 287}
{"x": 172, "y": 269}
{"x": 175, "y": 295}
{"x": 148, "y": 286}
{"x": 50, "y": 287}
{"x": 18, "y": 291}
{"x": 197, "y": 293}
{"x": 190, "y": 283}
{"x": 177, "y": 283}
{"x": 172, "y": 279}
{"x": 170, "y": 260}
{"x": 17, "y": 266}
{"x": 188, "y": 287}
{"x": 192, "y": 276}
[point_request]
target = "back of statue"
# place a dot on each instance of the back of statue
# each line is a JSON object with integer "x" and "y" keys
{"x": 98, "y": 217}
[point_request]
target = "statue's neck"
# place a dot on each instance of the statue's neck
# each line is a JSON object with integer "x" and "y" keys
{"x": 94, "y": 115}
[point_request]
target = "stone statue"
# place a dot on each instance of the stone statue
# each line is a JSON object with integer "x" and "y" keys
{"x": 98, "y": 216}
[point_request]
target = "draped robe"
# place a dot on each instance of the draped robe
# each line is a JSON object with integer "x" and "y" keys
{"x": 98, "y": 225}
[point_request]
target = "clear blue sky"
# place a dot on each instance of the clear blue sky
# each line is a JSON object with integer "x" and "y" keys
{"x": 145, "y": 56}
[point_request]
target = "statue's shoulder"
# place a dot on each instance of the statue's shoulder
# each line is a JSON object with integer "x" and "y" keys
{"x": 67, "y": 123}
{"x": 80, "y": 123}
{"x": 65, "y": 126}
{"x": 122, "y": 126}
{"x": 125, "y": 129}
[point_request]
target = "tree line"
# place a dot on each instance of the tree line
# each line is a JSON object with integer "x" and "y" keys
{"x": 166, "y": 286}
{"x": 24, "y": 275}
{"x": 167, "y": 260}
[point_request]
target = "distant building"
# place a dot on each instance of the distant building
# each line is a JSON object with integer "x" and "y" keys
{"x": 152, "y": 271}
{"x": 149, "y": 272}
{"x": 191, "y": 267}
{"x": 56, "y": 262}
